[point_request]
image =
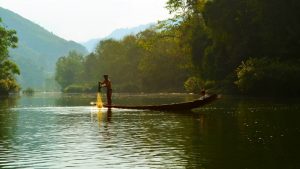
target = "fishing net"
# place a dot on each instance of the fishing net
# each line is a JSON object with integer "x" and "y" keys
{"x": 99, "y": 100}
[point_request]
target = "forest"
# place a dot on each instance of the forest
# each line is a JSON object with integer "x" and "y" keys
{"x": 248, "y": 47}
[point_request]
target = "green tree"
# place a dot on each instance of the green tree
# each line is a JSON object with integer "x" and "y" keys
{"x": 225, "y": 33}
{"x": 151, "y": 61}
{"x": 164, "y": 64}
{"x": 193, "y": 34}
{"x": 91, "y": 65}
{"x": 69, "y": 69}
{"x": 120, "y": 60}
{"x": 273, "y": 77}
{"x": 8, "y": 69}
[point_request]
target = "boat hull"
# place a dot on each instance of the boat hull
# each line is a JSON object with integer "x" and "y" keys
{"x": 171, "y": 107}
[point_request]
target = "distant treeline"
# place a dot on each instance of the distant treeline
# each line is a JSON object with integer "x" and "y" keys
{"x": 238, "y": 46}
{"x": 139, "y": 63}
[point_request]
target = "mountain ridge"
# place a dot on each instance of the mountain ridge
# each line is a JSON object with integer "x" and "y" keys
{"x": 38, "y": 49}
{"x": 117, "y": 34}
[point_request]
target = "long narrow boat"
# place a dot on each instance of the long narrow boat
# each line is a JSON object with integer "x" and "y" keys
{"x": 171, "y": 107}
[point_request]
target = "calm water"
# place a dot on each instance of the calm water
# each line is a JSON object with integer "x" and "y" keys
{"x": 61, "y": 131}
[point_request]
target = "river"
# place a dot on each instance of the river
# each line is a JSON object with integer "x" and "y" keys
{"x": 53, "y": 130}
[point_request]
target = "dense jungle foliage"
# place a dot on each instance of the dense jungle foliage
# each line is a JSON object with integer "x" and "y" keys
{"x": 237, "y": 46}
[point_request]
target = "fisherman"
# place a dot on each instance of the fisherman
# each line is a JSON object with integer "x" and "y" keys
{"x": 106, "y": 83}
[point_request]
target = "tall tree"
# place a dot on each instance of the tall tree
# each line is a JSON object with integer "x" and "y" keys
{"x": 8, "y": 69}
{"x": 69, "y": 69}
{"x": 164, "y": 64}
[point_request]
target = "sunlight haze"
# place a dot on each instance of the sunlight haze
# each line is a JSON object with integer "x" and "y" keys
{"x": 80, "y": 20}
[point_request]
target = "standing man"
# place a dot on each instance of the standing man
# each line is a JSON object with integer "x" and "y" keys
{"x": 107, "y": 83}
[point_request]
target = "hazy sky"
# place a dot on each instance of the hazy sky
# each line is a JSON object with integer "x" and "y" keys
{"x": 81, "y": 20}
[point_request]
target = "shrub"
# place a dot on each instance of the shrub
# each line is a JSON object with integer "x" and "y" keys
{"x": 28, "y": 91}
{"x": 7, "y": 86}
{"x": 195, "y": 84}
{"x": 268, "y": 77}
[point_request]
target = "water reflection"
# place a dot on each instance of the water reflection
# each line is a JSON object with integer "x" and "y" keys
{"x": 8, "y": 125}
{"x": 253, "y": 133}
{"x": 8, "y": 119}
{"x": 101, "y": 115}
{"x": 61, "y": 131}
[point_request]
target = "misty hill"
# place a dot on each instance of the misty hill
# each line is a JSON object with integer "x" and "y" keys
{"x": 116, "y": 34}
{"x": 38, "y": 50}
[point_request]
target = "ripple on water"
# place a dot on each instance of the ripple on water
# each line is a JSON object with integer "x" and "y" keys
{"x": 222, "y": 136}
{"x": 69, "y": 110}
{"x": 60, "y": 137}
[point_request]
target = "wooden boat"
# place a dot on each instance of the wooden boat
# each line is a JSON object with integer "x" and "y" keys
{"x": 171, "y": 107}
